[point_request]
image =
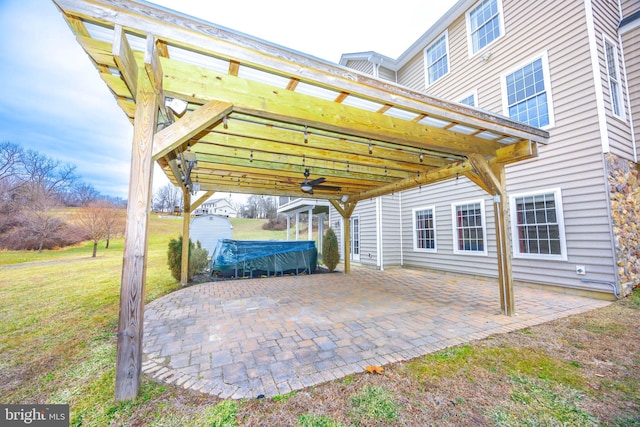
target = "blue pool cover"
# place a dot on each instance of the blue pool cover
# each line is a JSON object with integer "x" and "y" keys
{"x": 263, "y": 257}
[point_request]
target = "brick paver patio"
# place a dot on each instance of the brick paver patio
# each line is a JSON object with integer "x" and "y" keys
{"x": 245, "y": 338}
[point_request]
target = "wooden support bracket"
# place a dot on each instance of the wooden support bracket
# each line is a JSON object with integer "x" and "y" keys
{"x": 172, "y": 137}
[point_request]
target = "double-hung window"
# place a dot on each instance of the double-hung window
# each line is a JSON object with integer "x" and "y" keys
{"x": 613, "y": 73}
{"x": 424, "y": 229}
{"x": 484, "y": 24}
{"x": 470, "y": 99}
{"x": 537, "y": 225}
{"x": 437, "y": 58}
{"x": 469, "y": 228}
{"x": 526, "y": 93}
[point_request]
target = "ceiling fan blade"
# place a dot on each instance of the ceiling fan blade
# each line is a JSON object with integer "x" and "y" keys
{"x": 327, "y": 187}
{"x": 317, "y": 181}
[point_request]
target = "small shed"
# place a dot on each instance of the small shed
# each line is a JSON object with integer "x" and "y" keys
{"x": 209, "y": 228}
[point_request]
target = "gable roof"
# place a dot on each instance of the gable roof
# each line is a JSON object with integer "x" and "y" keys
{"x": 258, "y": 115}
{"x": 421, "y": 43}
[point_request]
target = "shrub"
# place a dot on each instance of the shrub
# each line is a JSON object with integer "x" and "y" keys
{"x": 278, "y": 223}
{"x": 197, "y": 258}
{"x": 330, "y": 253}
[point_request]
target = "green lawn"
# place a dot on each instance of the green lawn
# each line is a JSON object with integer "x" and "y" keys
{"x": 58, "y": 319}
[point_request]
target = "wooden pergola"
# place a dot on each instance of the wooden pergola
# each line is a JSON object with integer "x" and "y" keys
{"x": 222, "y": 111}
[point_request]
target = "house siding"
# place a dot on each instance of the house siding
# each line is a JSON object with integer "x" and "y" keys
{"x": 368, "y": 241}
{"x": 444, "y": 258}
{"x": 363, "y": 66}
{"x": 391, "y": 229}
{"x": 387, "y": 74}
{"x": 606, "y": 20}
{"x": 572, "y": 162}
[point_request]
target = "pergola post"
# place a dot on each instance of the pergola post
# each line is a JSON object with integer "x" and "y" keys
{"x": 492, "y": 179}
{"x": 310, "y": 229}
{"x": 288, "y": 227}
{"x": 129, "y": 353}
{"x": 346, "y": 212}
{"x": 320, "y": 232}
{"x": 186, "y": 222}
{"x": 503, "y": 245}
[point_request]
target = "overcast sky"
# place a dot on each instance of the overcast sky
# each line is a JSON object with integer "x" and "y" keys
{"x": 53, "y": 101}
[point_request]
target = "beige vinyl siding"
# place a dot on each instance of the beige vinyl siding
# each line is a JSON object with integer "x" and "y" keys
{"x": 412, "y": 75}
{"x": 629, "y": 7}
{"x": 606, "y": 20}
{"x": 363, "y": 66}
{"x": 631, "y": 44}
{"x": 387, "y": 74}
{"x": 444, "y": 258}
{"x": 366, "y": 212}
{"x": 391, "y": 229}
{"x": 571, "y": 162}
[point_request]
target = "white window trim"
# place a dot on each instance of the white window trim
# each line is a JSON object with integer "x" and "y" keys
{"x": 547, "y": 86}
{"x": 426, "y": 60}
{"x": 435, "y": 230}
{"x": 515, "y": 243}
{"x": 608, "y": 40}
{"x": 473, "y": 93}
{"x": 468, "y": 26}
{"x": 454, "y": 223}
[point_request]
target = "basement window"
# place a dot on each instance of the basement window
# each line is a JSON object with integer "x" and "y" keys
{"x": 537, "y": 225}
{"x": 424, "y": 229}
{"x": 469, "y": 228}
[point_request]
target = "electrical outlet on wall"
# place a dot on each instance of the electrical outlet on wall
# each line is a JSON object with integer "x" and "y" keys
{"x": 581, "y": 270}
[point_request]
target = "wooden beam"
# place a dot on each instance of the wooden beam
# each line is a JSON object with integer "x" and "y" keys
{"x": 152, "y": 65}
{"x": 517, "y": 152}
{"x": 253, "y": 153}
{"x": 483, "y": 171}
{"x": 345, "y": 212}
{"x": 209, "y": 39}
{"x": 360, "y": 150}
{"x": 434, "y": 175}
{"x": 123, "y": 55}
{"x": 130, "y": 326}
{"x": 198, "y": 83}
{"x": 230, "y": 163}
{"x": 186, "y": 221}
{"x": 203, "y": 198}
{"x": 477, "y": 180}
{"x": 310, "y": 151}
{"x": 176, "y": 134}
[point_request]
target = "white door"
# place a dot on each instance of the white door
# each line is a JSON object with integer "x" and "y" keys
{"x": 355, "y": 238}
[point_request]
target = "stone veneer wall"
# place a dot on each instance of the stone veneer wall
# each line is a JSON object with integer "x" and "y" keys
{"x": 624, "y": 185}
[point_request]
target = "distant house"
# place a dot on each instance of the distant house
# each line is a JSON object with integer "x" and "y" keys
{"x": 571, "y": 68}
{"x": 217, "y": 207}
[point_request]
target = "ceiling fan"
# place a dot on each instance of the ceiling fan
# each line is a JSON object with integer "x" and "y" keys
{"x": 309, "y": 185}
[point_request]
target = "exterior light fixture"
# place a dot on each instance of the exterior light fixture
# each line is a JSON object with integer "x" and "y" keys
{"x": 176, "y": 105}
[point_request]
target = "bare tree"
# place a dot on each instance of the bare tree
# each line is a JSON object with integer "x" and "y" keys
{"x": 167, "y": 198}
{"x": 38, "y": 216}
{"x": 92, "y": 218}
{"x": 10, "y": 156}
{"x": 84, "y": 194}
{"x": 114, "y": 221}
